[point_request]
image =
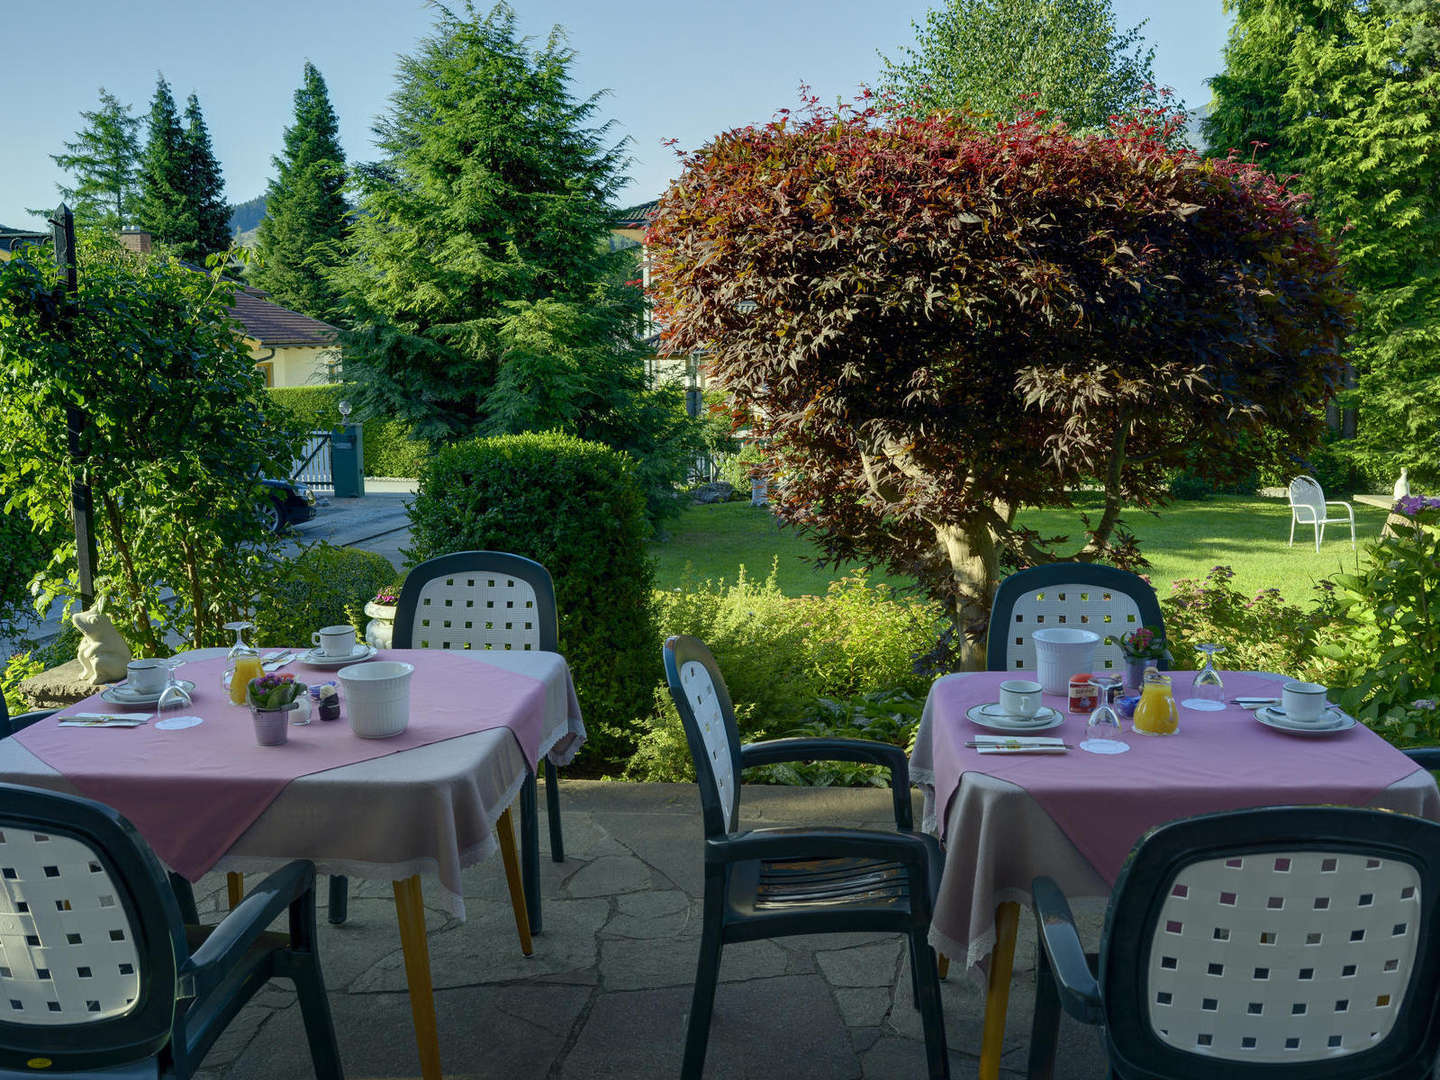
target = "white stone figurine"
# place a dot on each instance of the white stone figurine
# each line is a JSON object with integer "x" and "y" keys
{"x": 1402, "y": 486}
{"x": 103, "y": 653}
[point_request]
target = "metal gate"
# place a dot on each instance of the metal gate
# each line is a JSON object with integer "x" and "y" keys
{"x": 313, "y": 466}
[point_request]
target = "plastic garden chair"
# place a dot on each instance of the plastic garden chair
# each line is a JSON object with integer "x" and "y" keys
{"x": 517, "y": 596}
{"x": 184, "y": 891}
{"x": 1308, "y": 506}
{"x": 1084, "y": 596}
{"x": 1290, "y": 941}
{"x": 101, "y": 978}
{"x": 766, "y": 883}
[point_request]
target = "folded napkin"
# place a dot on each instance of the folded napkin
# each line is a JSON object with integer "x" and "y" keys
{"x": 97, "y": 719}
{"x": 1255, "y": 702}
{"x": 1019, "y": 744}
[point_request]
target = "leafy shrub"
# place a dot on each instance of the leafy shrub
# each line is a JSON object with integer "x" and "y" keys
{"x": 23, "y": 552}
{"x": 323, "y": 586}
{"x": 576, "y": 508}
{"x": 389, "y": 450}
{"x": 782, "y": 655}
{"x": 1259, "y": 633}
{"x": 735, "y": 469}
{"x": 1186, "y": 485}
{"x": 1385, "y": 641}
{"x": 890, "y": 716}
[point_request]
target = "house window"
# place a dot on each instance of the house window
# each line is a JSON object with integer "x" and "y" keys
{"x": 268, "y": 370}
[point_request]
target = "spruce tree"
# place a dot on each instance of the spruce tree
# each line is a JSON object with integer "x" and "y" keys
{"x": 301, "y": 239}
{"x": 205, "y": 190}
{"x": 164, "y": 209}
{"x": 482, "y": 294}
{"x": 103, "y": 160}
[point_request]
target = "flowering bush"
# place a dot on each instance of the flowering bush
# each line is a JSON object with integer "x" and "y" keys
{"x": 1144, "y": 643}
{"x": 1386, "y": 642}
{"x": 389, "y": 596}
{"x": 274, "y": 691}
{"x": 1259, "y": 633}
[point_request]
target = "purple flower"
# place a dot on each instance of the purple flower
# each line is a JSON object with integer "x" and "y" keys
{"x": 1411, "y": 505}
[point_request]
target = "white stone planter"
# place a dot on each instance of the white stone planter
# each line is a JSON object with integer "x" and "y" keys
{"x": 380, "y": 630}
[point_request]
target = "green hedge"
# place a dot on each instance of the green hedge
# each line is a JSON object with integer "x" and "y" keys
{"x": 389, "y": 450}
{"x": 324, "y": 586}
{"x": 576, "y": 508}
{"x": 23, "y": 553}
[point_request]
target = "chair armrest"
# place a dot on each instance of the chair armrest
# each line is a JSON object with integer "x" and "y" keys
{"x": 1427, "y": 757}
{"x": 1079, "y": 992}
{"x": 861, "y": 750}
{"x": 244, "y": 925}
{"x": 909, "y": 849}
{"x": 1349, "y": 509}
{"x": 23, "y": 720}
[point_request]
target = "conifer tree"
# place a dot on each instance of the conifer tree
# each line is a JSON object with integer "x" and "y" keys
{"x": 103, "y": 160}
{"x": 301, "y": 238}
{"x": 164, "y": 209}
{"x": 205, "y": 190}
{"x": 482, "y": 293}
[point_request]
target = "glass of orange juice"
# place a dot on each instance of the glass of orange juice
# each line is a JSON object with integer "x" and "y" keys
{"x": 244, "y": 664}
{"x": 1156, "y": 712}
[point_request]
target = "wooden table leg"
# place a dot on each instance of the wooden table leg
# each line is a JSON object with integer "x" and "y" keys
{"x": 997, "y": 993}
{"x": 410, "y": 911}
{"x": 235, "y": 888}
{"x": 505, "y": 832}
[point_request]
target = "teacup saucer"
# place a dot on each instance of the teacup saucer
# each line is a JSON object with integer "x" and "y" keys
{"x": 123, "y": 695}
{"x": 990, "y": 716}
{"x": 1335, "y": 722}
{"x": 315, "y": 658}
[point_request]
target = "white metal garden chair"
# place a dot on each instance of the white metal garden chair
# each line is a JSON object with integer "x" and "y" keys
{"x": 1308, "y": 506}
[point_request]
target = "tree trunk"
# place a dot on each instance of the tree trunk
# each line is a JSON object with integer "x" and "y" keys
{"x": 975, "y": 568}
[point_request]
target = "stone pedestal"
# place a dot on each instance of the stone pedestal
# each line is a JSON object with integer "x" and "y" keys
{"x": 380, "y": 630}
{"x": 59, "y": 687}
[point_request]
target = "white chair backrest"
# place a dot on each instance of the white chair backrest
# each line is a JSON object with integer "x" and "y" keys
{"x": 67, "y": 949}
{"x": 1284, "y": 957}
{"x": 1306, "y": 491}
{"x": 1107, "y": 612}
{"x": 705, "y": 703}
{"x": 476, "y": 610}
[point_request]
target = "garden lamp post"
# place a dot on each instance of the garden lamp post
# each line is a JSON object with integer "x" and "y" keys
{"x": 81, "y": 506}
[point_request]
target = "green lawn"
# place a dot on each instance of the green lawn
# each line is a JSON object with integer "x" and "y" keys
{"x": 1185, "y": 540}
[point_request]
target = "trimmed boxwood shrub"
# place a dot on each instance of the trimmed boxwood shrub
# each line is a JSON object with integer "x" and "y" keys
{"x": 576, "y": 508}
{"x": 325, "y": 585}
{"x": 389, "y": 450}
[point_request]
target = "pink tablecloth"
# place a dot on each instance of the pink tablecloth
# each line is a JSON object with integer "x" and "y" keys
{"x": 193, "y": 792}
{"x": 1219, "y": 761}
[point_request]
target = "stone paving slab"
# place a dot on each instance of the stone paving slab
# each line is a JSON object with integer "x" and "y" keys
{"x": 608, "y": 990}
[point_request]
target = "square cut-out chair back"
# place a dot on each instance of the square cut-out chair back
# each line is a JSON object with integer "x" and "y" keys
{"x": 1105, "y": 611}
{"x": 1284, "y": 956}
{"x": 67, "y": 947}
{"x": 477, "y": 610}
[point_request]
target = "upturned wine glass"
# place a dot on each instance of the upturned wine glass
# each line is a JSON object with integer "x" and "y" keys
{"x": 174, "y": 709}
{"x": 1208, "y": 692}
{"x": 1103, "y": 734}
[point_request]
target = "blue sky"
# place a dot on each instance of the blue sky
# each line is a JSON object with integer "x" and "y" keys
{"x": 673, "y": 70}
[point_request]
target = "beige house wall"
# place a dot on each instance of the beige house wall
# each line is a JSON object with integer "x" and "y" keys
{"x": 299, "y": 365}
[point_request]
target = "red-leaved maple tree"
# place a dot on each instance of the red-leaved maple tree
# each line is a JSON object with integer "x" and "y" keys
{"x": 935, "y": 325}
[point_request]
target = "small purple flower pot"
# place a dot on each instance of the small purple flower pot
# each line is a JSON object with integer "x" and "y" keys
{"x": 272, "y": 726}
{"x": 330, "y": 708}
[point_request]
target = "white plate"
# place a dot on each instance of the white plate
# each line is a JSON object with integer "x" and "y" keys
{"x": 1043, "y": 720}
{"x": 121, "y": 695}
{"x": 315, "y": 658}
{"x": 1275, "y": 718}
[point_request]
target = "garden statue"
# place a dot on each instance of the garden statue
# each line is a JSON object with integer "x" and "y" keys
{"x": 1402, "y": 486}
{"x": 103, "y": 653}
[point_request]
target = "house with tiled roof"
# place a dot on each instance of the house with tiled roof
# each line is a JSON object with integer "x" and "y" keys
{"x": 10, "y": 239}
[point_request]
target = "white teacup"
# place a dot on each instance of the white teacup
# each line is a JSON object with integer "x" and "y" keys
{"x": 146, "y": 676}
{"x": 1020, "y": 697}
{"x": 334, "y": 640}
{"x": 1304, "y": 702}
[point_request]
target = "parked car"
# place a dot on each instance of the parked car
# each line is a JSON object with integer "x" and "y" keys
{"x": 285, "y": 503}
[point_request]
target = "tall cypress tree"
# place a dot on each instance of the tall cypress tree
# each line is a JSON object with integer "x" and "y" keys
{"x": 302, "y": 236}
{"x": 103, "y": 159}
{"x": 205, "y": 190}
{"x": 164, "y": 209}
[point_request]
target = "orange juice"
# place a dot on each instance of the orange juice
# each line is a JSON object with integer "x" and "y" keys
{"x": 246, "y": 668}
{"x": 1156, "y": 712}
